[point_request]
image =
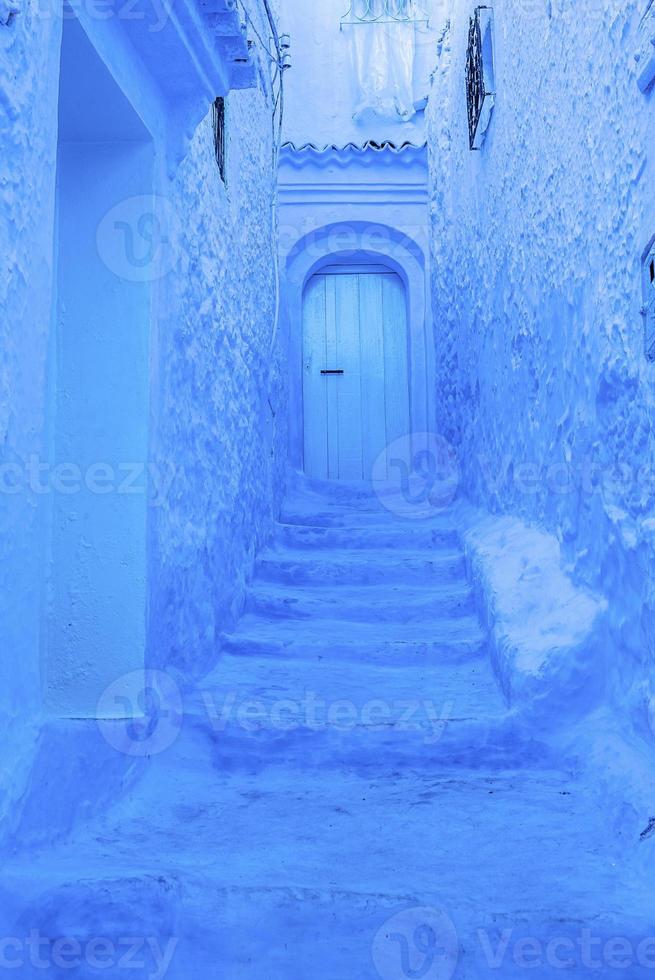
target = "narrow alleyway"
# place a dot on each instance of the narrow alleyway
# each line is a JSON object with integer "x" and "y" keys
{"x": 347, "y": 798}
{"x": 260, "y": 721}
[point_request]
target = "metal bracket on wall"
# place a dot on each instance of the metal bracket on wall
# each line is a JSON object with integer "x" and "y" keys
{"x": 384, "y": 12}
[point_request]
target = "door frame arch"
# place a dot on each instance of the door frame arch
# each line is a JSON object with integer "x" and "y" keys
{"x": 362, "y": 243}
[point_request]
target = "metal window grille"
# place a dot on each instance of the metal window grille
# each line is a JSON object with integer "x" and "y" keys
{"x": 480, "y": 84}
{"x": 648, "y": 308}
{"x": 219, "y": 134}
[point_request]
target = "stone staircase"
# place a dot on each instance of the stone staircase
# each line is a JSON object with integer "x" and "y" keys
{"x": 348, "y": 797}
{"x": 360, "y": 640}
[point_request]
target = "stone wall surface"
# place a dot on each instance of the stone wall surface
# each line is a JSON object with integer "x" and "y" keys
{"x": 216, "y": 391}
{"x": 221, "y": 410}
{"x": 537, "y": 243}
{"x": 28, "y": 133}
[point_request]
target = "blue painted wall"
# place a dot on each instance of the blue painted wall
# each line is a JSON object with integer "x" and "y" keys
{"x": 220, "y": 411}
{"x": 99, "y": 390}
{"x": 537, "y": 241}
{"x": 176, "y": 367}
{"x": 28, "y": 72}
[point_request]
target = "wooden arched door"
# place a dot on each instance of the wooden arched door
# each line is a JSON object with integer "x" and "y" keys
{"x": 355, "y": 361}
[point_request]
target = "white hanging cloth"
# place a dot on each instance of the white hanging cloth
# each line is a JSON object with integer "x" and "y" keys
{"x": 383, "y": 59}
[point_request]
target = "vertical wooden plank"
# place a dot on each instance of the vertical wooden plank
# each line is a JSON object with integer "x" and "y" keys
{"x": 372, "y": 370}
{"x": 314, "y": 384}
{"x": 348, "y": 386}
{"x": 396, "y": 357}
{"x": 332, "y": 398}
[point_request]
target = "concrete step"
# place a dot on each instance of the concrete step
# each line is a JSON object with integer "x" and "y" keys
{"x": 326, "y": 715}
{"x": 410, "y": 644}
{"x": 360, "y": 568}
{"x": 338, "y": 517}
{"x": 335, "y": 869}
{"x": 408, "y": 536}
{"x": 361, "y": 503}
{"x": 367, "y": 604}
{"x": 315, "y": 932}
{"x": 418, "y": 737}
{"x": 469, "y": 687}
{"x": 351, "y": 496}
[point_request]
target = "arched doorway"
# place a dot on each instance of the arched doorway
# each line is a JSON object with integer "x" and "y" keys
{"x": 358, "y": 244}
{"x": 356, "y": 399}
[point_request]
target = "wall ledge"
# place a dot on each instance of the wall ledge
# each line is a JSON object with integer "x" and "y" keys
{"x": 173, "y": 60}
{"x": 549, "y": 641}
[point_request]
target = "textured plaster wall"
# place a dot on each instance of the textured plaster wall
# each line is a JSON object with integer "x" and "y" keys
{"x": 537, "y": 240}
{"x": 214, "y": 386}
{"x": 220, "y": 411}
{"x": 28, "y": 65}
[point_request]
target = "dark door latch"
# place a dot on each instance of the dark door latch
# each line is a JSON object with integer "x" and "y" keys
{"x": 331, "y": 372}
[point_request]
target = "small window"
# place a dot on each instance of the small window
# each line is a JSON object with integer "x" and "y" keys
{"x": 219, "y": 135}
